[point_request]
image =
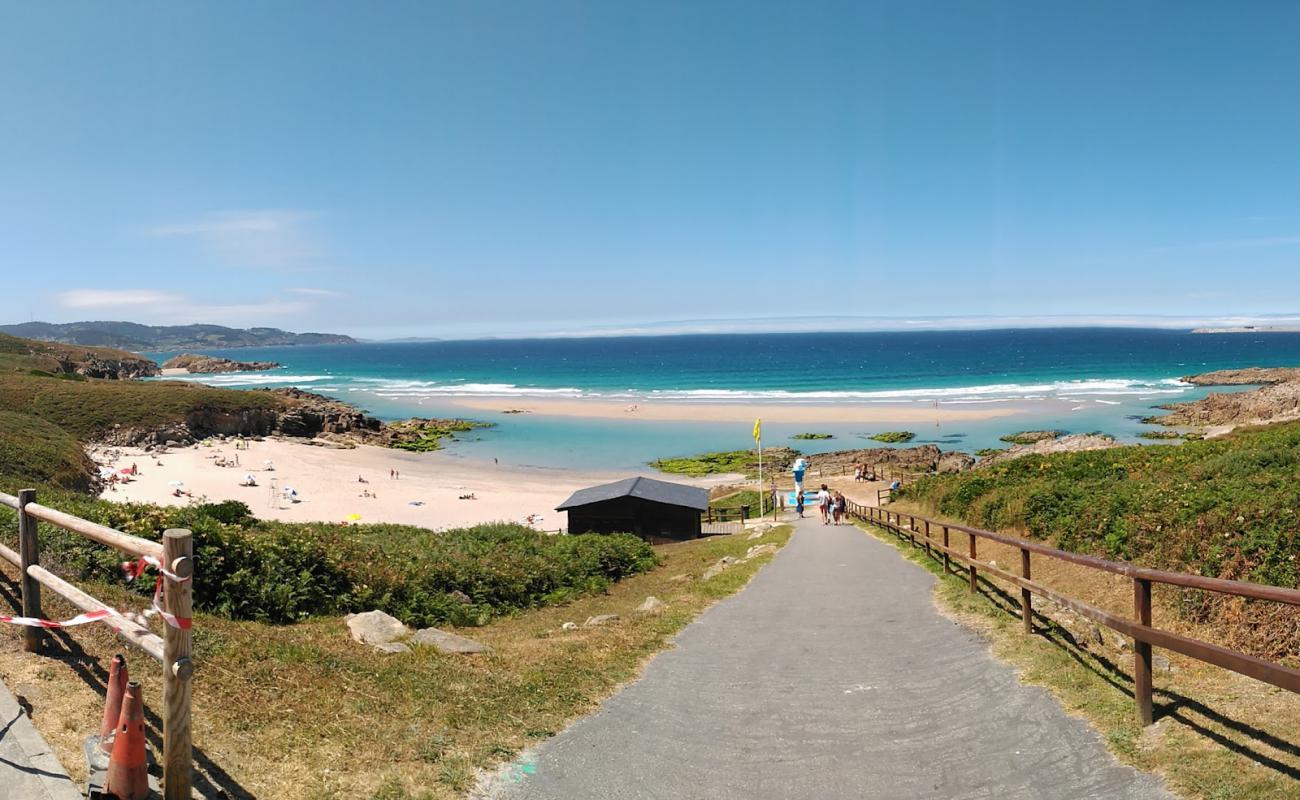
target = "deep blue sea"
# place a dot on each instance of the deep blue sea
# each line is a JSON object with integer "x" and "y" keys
{"x": 1075, "y": 379}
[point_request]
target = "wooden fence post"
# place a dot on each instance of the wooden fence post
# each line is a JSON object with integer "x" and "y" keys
{"x": 974, "y": 583}
{"x": 178, "y": 669}
{"x": 1142, "y": 654}
{"x": 1026, "y": 596}
{"x": 946, "y": 570}
{"x": 927, "y": 538}
{"x": 29, "y": 553}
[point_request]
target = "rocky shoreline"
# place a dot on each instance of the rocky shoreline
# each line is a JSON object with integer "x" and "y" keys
{"x": 297, "y": 414}
{"x": 196, "y": 364}
{"x": 1276, "y": 400}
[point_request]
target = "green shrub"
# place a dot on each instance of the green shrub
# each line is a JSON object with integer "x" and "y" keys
{"x": 284, "y": 572}
{"x": 894, "y": 437}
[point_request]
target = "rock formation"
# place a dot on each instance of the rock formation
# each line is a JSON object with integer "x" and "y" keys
{"x": 200, "y": 364}
{"x": 1075, "y": 443}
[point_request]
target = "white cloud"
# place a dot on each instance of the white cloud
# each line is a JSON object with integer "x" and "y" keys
{"x": 113, "y": 298}
{"x": 270, "y": 238}
{"x": 160, "y": 307}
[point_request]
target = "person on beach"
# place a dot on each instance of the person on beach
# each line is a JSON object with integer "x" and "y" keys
{"x": 824, "y": 504}
{"x": 839, "y": 507}
{"x": 798, "y": 502}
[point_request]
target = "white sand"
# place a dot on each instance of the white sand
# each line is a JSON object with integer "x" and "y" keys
{"x": 328, "y": 489}
{"x": 744, "y": 412}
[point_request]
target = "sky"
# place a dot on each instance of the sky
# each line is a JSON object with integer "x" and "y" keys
{"x": 429, "y": 168}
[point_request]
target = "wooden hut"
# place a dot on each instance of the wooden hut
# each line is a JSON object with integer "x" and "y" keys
{"x": 657, "y": 511}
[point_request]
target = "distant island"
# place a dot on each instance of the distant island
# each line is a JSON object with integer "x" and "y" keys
{"x": 137, "y": 338}
{"x": 1251, "y": 329}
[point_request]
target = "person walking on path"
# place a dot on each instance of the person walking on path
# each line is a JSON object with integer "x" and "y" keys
{"x": 824, "y": 504}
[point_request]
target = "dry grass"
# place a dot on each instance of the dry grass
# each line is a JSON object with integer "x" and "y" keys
{"x": 302, "y": 711}
{"x": 1218, "y": 735}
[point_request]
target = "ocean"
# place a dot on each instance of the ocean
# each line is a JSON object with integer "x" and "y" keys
{"x": 1077, "y": 380}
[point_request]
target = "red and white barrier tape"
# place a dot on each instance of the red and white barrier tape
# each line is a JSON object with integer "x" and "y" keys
{"x": 133, "y": 570}
{"x": 80, "y": 619}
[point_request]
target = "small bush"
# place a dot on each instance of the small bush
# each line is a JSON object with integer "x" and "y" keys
{"x": 893, "y": 437}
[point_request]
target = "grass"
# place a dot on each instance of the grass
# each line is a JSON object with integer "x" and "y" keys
{"x": 744, "y": 497}
{"x": 1218, "y": 736}
{"x": 34, "y": 452}
{"x": 1226, "y": 507}
{"x": 88, "y": 409}
{"x": 301, "y": 711}
{"x": 812, "y": 436}
{"x": 989, "y": 451}
{"x": 893, "y": 437}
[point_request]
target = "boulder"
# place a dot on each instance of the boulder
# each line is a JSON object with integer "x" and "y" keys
{"x": 569, "y": 626}
{"x": 760, "y": 550}
{"x": 651, "y": 605}
{"x": 393, "y": 647}
{"x": 599, "y": 619}
{"x": 1161, "y": 664}
{"x": 445, "y": 642}
{"x": 376, "y": 628}
{"x": 460, "y": 597}
{"x": 758, "y": 534}
{"x": 718, "y": 566}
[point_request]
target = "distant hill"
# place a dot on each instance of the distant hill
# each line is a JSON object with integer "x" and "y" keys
{"x": 136, "y": 337}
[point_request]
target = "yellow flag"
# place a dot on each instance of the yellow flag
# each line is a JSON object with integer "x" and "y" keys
{"x": 758, "y": 430}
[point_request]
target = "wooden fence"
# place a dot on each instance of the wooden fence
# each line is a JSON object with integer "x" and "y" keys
{"x": 172, "y": 651}
{"x": 935, "y": 538}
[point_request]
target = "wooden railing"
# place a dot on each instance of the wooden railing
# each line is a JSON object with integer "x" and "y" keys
{"x": 935, "y": 538}
{"x": 172, "y": 651}
{"x": 736, "y": 514}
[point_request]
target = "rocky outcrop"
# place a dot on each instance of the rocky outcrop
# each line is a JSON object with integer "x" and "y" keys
{"x": 1277, "y": 403}
{"x": 446, "y": 642}
{"x": 1245, "y": 377}
{"x": 1030, "y": 437}
{"x": 1075, "y": 443}
{"x": 309, "y": 414}
{"x": 923, "y": 458}
{"x": 199, "y": 364}
{"x": 955, "y": 461}
{"x": 113, "y": 369}
{"x": 1277, "y": 399}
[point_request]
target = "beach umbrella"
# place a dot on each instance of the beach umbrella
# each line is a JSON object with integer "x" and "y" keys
{"x": 177, "y": 484}
{"x": 125, "y": 470}
{"x": 354, "y": 517}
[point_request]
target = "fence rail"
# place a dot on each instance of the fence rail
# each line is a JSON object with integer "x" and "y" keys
{"x": 173, "y": 650}
{"x": 935, "y": 537}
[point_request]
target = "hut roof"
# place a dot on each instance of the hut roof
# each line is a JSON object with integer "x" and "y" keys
{"x": 673, "y": 494}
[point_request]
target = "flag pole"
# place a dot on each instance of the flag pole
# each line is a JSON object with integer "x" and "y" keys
{"x": 758, "y": 440}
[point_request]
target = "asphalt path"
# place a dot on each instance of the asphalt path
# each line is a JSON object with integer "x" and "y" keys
{"x": 831, "y": 675}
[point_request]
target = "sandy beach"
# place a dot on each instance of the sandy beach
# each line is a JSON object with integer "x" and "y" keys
{"x": 427, "y": 491}
{"x": 743, "y": 412}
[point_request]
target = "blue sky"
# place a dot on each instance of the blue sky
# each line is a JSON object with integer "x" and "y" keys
{"x": 439, "y": 168}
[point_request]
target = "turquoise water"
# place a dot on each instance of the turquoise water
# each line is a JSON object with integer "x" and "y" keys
{"x": 1075, "y": 379}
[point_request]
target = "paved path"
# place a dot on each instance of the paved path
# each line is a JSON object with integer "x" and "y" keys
{"x": 28, "y": 768}
{"x": 831, "y": 676}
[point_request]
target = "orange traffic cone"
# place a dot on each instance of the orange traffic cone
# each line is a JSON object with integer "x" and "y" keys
{"x": 128, "y": 774}
{"x": 117, "y": 678}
